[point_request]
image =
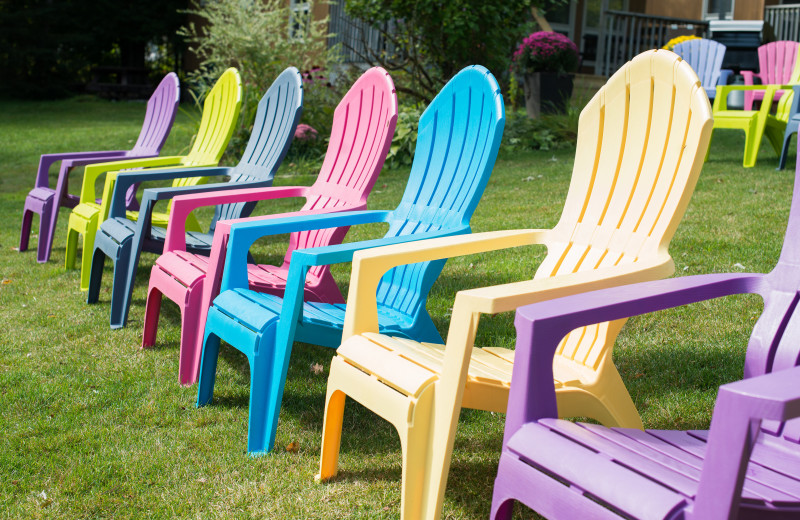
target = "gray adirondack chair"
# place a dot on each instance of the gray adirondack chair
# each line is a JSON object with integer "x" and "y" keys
{"x": 746, "y": 466}
{"x": 123, "y": 240}
{"x": 46, "y": 201}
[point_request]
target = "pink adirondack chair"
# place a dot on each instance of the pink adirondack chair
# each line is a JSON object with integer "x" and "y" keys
{"x": 363, "y": 127}
{"x": 776, "y": 62}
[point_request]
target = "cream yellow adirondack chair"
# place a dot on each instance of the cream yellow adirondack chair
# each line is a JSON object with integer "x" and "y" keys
{"x": 220, "y": 113}
{"x": 641, "y": 144}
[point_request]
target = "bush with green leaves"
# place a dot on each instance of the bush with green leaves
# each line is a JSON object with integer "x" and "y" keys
{"x": 261, "y": 38}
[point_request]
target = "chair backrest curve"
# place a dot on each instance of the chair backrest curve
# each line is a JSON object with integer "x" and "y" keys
{"x": 642, "y": 139}
{"x": 361, "y": 134}
{"x": 273, "y": 129}
{"x": 158, "y": 119}
{"x": 457, "y": 143}
{"x": 705, "y": 57}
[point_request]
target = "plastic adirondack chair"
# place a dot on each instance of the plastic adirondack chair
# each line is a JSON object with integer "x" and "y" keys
{"x": 792, "y": 124}
{"x": 755, "y": 123}
{"x": 220, "y": 112}
{"x": 45, "y": 201}
{"x": 643, "y": 137}
{"x": 362, "y": 131}
{"x": 459, "y": 136}
{"x": 705, "y": 57}
{"x": 123, "y": 240}
{"x": 747, "y": 465}
{"x": 777, "y": 65}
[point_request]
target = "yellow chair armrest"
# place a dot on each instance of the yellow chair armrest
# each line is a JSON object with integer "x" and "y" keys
{"x": 93, "y": 171}
{"x": 371, "y": 264}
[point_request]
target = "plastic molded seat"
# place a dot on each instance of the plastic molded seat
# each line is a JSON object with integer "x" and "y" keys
{"x": 777, "y": 66}
{"x": 362, "y": 131}
{"x": 705, "y": 57}
{"x": 746, "y": 466}
{"x": 45, "y": 201}
{"x": 641, "y": 142}
{"x": 459, "y": 136}
{"x": 220, "y": 112}
{"x": 122, "y": 240}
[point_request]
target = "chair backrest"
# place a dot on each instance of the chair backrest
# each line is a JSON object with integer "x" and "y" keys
{"x": 705, "y": 57}
{"x": 641, "y": 143}
{"x": 161, "y": 109}
{"x": 457, "y": 143}
{"x": 776, "y": 61}
{"x": 361, "y": 134}
{"x": 220, "y": 112}
{"x": 273, "y": 129}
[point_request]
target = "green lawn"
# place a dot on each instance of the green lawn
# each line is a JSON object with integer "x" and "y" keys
{"x": 91, "y": 426}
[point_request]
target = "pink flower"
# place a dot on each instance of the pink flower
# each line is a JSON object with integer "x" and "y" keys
{"x": 305, "y": 132}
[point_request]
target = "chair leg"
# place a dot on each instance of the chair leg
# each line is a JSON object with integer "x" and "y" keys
{"x": 331, "y": 433}
{"x": 96, "y": 275}
{"x": 86, "y": 254}
{"x": 787, "y": 138}
{"x": 25, "y": 230}
{"x": 208, "y": 369}
{"x": 263, "y": 416}
{"x": 120, "y": 289}
{"x": 45, "y": 231}
{"x": 502, "y": 500}
{"x": 72, "y": 248}
{"x": 152, "y": 311}
{"x": 189, "y": 366}
{"x": 752, "y": 142}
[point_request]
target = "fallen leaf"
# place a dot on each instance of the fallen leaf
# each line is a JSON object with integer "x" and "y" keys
{"x": 316, "y": 368}
{"x": 6, "y": 281}
{"x": 737, "y": 265}
{"x": 529, "y": 178}
{"x": 202, "y": 480}
{"x": 15, "y": 249}
{"x": 293, "y": 447}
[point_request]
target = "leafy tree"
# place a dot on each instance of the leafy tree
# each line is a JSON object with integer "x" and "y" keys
{"x": 429, "y": 41}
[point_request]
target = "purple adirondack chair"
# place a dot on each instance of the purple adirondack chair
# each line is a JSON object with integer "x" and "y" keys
{"x": 776, "y": 62}
{"x": 746, "y": 466}
{"x": 45, "y": 201}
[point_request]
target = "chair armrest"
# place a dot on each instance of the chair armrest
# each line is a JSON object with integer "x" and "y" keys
{"x": 48, "y": 159}
{"x": 721, "y": 99}
{"x": 370, "y": 265}
{"x": 245, "y": 232}
{"x": 341, "y": 253}
{"x": 749, "y": 76}
{"x": 93, "y": 171}
{"x": 182, "y": 205}
{"x": 541, "y": 326}
{"x": 738, "y": 412}
{"x": 724, "y": 76}
{"x": 126, "y": 179}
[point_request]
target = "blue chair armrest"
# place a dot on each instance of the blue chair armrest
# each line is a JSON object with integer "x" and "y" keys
{"x": 724, "y": 76}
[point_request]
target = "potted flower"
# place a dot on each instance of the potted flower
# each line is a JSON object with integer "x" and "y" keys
{"x": 544, "y": 62}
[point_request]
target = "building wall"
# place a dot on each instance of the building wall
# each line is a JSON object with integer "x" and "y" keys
{"x": 749, "y": 9}
{"x": 691, "y": 9}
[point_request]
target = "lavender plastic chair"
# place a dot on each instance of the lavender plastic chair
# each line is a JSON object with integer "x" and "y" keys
{"x": 45, "y": 201}
{"x": 747, "y": 465}
{"x": 705, "y": 57}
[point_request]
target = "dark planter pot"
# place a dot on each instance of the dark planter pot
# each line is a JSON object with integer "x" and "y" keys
{"x": 547, "y": 93}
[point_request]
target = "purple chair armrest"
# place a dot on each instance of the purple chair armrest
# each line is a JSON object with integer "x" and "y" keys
{"x": 541, "y": 326}
{"x": 75, "y": 159}
{"x": 735, "y": 425}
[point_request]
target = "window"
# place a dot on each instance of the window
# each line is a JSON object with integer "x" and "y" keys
{"x": 718, "y": 9}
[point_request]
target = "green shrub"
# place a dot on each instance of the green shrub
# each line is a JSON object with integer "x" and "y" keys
{"x": 262, "y": 38}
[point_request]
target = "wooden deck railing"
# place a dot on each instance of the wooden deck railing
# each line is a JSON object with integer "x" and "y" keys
{"x": 785, "y": 21}
{"x": 623, "y": 35}
{"x": 357, "y": 38}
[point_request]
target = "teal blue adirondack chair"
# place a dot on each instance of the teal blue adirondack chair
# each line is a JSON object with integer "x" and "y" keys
{"x": 459, "y": 136}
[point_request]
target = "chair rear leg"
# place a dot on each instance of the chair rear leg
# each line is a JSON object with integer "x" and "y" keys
{"x": 96, "y": 275}
{"x": 208, "y": 369}
{"x": 72, "y": 248}
{"x": 120, "y": 290}
{"x": 25, "y": 230}
{"x": 331, "y": 430}
{"x": 785, "y": 150}
{"x": 263, "y": 415}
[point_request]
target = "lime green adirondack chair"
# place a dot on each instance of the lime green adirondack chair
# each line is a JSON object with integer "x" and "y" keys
{"x": 757, "y": 123}
{"x": 220, "y": 112}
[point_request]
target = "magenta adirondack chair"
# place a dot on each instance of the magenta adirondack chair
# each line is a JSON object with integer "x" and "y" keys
{"x": 46, "y": 201}
{"x": 776, "y": 62}
{"x": 363, "y": 127}
{"x": 746, "y": 466}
